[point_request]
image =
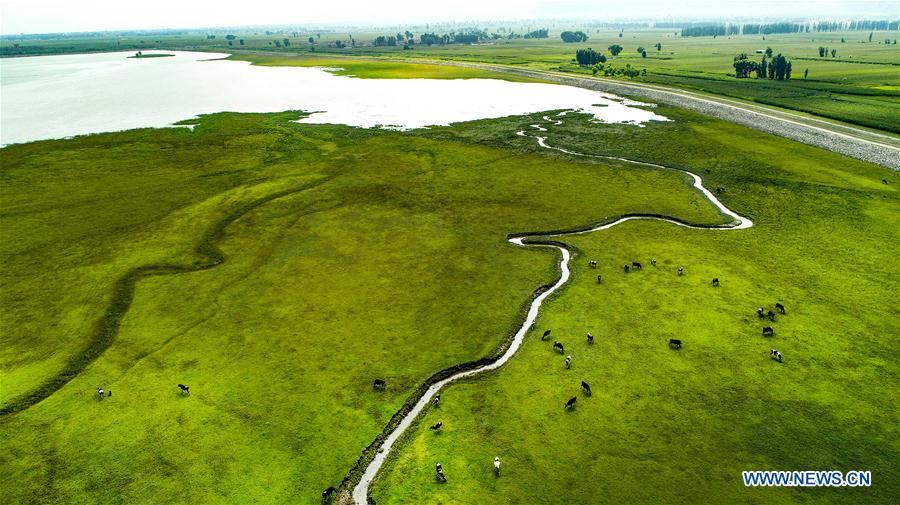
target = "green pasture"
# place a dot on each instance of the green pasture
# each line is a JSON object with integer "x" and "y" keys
{"x": 679, "y": 426}
{"x": 377, "y": 69}
{"x": 348, "y": 255}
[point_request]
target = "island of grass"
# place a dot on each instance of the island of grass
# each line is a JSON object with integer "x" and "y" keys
{"x": 278, "y": 269}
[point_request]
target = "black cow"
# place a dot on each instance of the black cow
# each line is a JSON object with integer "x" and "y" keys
{"x": 586, "y": 387}
{"x": 768, "y": 331}
{"x": 545, "y": 335}
{"x": 559, "y": 347}
{"x": 626, "y": 268}
{"x": 379, "y": 384}
{"x": 771, "y": 315}
{"x": 884, "y": 181}
{"x": 436, "y": 401}
{"x": 599, "y": 279}
{"x": 760, "y": 312}
{"x": 100, "y": 393}
{"x": 593, "y": 264}
{"x": 437, "y": 426}
{"x": 439, "y": 471}
{"x": 674, "y": 343}
{"x": 680, "y": 270}
{"x": 776, "y": 355}
{"x": 326, "y": 495}
{"x": 568, "y": 362}
{"x": 590, "y": 338}
{"x": 653, "y": 262}
{"x": 184, "y": 389}
{"x": 637, "y": 266}
{"x": 715, "y": 281}
{"x": 779, "y": 307}
{"x": 571, "y": 403}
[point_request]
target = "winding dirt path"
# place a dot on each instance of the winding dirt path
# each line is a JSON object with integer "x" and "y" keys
{"x": 361, "y": 488}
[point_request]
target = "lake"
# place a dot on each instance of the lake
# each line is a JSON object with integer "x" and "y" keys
{"x": 49, "y": 97}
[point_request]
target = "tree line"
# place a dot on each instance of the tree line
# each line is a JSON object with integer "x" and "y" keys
{"x": 714, "y": 29}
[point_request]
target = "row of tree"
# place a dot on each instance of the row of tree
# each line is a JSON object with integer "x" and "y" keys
{"x": 823, "y": 51}
{"x": 778, "y": 69}
{"x": 714, "y": 29}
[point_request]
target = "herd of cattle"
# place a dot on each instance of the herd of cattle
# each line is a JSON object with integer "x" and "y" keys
{"x": 674, "y": 343}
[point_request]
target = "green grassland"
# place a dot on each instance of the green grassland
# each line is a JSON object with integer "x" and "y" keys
{"x": 679, "y": 426}
{"x": 860, "y": 85}
{"x": 275, "y": 268}
{"x": 377, "y": 69}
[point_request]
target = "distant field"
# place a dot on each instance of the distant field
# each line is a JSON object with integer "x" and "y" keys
{"x": 860, "y": 85}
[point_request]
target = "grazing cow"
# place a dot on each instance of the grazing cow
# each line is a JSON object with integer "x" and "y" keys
{"x": 884, "y": 181}
{"x": 779, "y": 307}
{"x": 776, "y": 355}
{"x": 626, "y": 268}
{"x": 327, "y": 494}
{"x": 653, "y": 262}
{"x": 768, "y": 331}
{"x": 568, "y": 361}
{"x": 439, "y": 470}
{"x": 586, "y": 387}
{"x": 771, "y": 315}
{"x": 590, "y": 338}
{"x": 674, "y": 343}
{"x": 559, "y": 347}
{"x": 436, "y": 401}
{"x": 533, "y": 323}
{"x": 680, "y": 270}
{"x": 545, "y": 335}
{"x": 593, "y": 264}
{"x": 715, "y": 281}
{"x": 571, "y": 403}
{"x": 637, "y": 266}
{"x": 435, "y": 427}
{"x": 760, "y": 312}
{"x": 599, "y": 279}
{"x": 184, "y": 389}
{"x": 497, "y": 465}
{"x": 109, "y": 392}
{"x": 100, "y": 393}
{"x": 378, "y": 384}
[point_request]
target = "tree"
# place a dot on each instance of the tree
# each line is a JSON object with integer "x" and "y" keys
{"x": 805, "y": 73}
{"x": 833, "y": 53}
{"x": 573, "y": 36}
{"x": 842, "y": 40}
{"x": 615, "y": 49}
{"x": 743, "y": 66}
{"x": 870, "y": 36}
{"x": 769, "y": 52}
{"x": 620, "y": 35}
{"x": 761, "y": 68}
{"x": 822, "y": 52}
{"x": 286, "y": 42}
{"x": 408, "y": 34}
{"x": 658, "y": 46}
{"x": 277, "y": 43}
{"x": 640, "y": 49}
{"x": 229, "y": 42}
{"x": 311, "y": 40}
{"x": 643, "y": 54}
{"x": 229, "y": 37}
{"x": 587, "y": 57}
{"x": 241, "y": 41}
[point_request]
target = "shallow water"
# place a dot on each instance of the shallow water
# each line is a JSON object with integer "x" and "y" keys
{"x": 60, "y": 96}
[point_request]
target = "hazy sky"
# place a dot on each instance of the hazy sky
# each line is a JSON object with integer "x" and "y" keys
{"x": 39, "y": 16}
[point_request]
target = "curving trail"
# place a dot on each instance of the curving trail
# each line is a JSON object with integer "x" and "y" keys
{"x": 361, "y": 489}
